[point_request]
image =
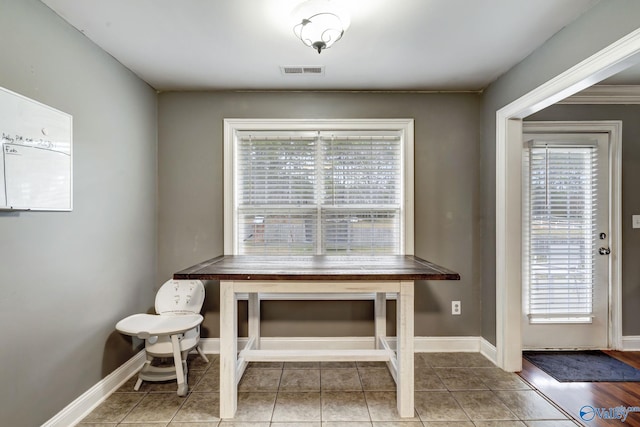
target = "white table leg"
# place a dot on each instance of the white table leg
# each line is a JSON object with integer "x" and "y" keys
{"x": 254, "y": 318}
{"x": 380, "y": 313}
{"x": 404, "y": 333}
{"x": 228, "y": 349}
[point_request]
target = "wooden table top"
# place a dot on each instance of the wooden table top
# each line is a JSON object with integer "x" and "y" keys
{"x": 318, "y": 267}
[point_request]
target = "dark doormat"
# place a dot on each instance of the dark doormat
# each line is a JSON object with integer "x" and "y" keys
{"x": 582, "y": 366}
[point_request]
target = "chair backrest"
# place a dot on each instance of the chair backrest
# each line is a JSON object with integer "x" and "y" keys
{"x": 180, "y": 297}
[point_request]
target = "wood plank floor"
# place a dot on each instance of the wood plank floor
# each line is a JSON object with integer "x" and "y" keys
{"x": 572, "y": 397}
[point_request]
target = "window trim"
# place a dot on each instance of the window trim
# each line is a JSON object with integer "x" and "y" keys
{"x": 404, "y": 126}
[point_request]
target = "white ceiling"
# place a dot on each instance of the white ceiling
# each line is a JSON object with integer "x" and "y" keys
{"x": 391, "y": 44}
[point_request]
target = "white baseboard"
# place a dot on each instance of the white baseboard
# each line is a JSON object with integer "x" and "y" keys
{"x": 446, "y": 344}
{"x": 489, "y": 351}
{"x": 88, "y": 401}
{"x": 74, "y": 412}
{"x": 631, "y": 343}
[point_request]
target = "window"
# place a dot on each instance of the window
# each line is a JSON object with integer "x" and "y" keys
{"x": 560, "y": 222}
{"x": 305, "y": 187}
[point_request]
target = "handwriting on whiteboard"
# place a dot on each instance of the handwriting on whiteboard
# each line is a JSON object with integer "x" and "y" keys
{"x": 32, "y": 142}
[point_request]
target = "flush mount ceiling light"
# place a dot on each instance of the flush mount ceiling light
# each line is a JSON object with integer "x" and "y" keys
{"x": 320, "y": 23}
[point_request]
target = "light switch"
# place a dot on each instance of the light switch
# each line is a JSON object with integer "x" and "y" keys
{"x": 636, "y": 221}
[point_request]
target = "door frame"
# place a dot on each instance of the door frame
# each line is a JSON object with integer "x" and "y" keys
{"x": 613, "y": 128}
{"x": 605, "y": 63}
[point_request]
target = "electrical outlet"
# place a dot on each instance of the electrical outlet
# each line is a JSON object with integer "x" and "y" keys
{"x": 456, "y": 308}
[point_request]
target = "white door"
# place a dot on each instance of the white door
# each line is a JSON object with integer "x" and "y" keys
{"x": 566, "y": 251}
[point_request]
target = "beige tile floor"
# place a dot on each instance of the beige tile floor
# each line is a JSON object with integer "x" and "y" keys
{"x": 452, "y": 389}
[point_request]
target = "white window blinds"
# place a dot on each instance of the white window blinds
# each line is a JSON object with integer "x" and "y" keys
{"x": 560, "y": 218}
{"x": 319, "y": 192}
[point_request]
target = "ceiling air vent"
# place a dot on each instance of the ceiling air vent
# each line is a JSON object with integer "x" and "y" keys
{"x": 299, "y": 70}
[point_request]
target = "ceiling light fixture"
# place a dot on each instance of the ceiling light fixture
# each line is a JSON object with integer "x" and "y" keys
{"x": 320, "y": 23}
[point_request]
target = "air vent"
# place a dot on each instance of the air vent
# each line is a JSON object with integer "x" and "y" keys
{"x": 299, "y": 70}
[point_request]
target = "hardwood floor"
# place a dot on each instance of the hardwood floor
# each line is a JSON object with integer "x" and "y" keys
{"x": 572, "y": 397}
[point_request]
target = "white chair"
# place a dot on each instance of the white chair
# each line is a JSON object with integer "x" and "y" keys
{"x": 174, "y": 331}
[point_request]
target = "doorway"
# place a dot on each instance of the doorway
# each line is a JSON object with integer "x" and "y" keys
{"x": 599, "y": 66}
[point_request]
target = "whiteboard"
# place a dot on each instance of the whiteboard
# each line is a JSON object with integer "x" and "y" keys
{"x": 36, "y": 167}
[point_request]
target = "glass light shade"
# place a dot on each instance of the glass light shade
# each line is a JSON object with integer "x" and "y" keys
{"x": 320, "y": 23}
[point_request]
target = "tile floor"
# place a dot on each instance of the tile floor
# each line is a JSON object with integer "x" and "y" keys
{"x": 452, "y": 389}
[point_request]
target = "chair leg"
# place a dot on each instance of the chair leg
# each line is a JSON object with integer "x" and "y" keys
{"x": 184, "y": 356}
{"x": 146, "y": 364}
{"x": 201, "y": 353}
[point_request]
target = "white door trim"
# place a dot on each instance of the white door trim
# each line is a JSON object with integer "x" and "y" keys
{"x": 614, "y": 129}
{"x": 603, "y": 64}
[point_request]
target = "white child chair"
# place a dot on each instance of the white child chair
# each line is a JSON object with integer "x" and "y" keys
{"x": 174, "y": 331}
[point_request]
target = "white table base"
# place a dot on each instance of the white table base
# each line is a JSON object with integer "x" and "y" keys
{"x": 233, "y": 364}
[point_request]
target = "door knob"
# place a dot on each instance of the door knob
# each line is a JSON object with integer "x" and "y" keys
{"x": 604, "y": 251}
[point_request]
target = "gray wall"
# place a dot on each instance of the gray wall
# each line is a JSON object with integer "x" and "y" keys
{"x": 607, "y": 22}
{"x": 446, "y": 202}
{"x": 68, "y": 277}
{"x": 629, "y": 115}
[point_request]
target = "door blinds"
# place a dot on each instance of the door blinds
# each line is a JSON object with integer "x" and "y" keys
{"x": 318, "y": 193}
{"x": 560, "y": 211}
